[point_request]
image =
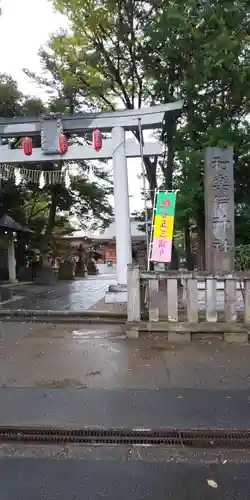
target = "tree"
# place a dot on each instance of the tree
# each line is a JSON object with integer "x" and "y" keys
{"x": 100, "y": 62}
{"x": 10, "y": 97}
{"x": 202, "y": 51}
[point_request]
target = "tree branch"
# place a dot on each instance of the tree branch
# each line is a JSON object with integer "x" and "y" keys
{"x": 33, "y": 215}
{"x": 101, "y": 95}
{"x": 113, "y": 70}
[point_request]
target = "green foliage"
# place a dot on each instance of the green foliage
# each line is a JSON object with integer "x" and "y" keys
{"x": 101, "y": 57}
{"x": 242, "y": 257}
{"x": 98, "y": 64}
{"x": 91, "y": 200}
{"x": 148, "y": 52}
{"x": 12, "y": 200}
{"x": 199, "y": 51}
{"x": 10, "y": 97}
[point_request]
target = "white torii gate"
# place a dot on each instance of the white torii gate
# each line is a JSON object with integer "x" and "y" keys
{"x": 50, "y": 127}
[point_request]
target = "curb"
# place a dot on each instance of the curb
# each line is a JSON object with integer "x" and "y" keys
{"x": 16, "y": 284}
{"x": 47, "y": 316}
{"x": 58, "y": 321}
{"x": 48, "y": 312}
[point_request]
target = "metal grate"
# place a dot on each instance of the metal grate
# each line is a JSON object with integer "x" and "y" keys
{"x": 184, "y": 438}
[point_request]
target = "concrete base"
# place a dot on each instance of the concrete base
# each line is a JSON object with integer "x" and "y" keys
{"x": 179, "y": 337}
{"x": 5, "y": 294}
{"x": 8, "y": 301}
{"x": 133, "y": 333}
{"x": 241, "y": 338}
{"x": 117, "y": 294}
{"x": 45, "y": 276}
{"x": 66, "y": 271}
{"x": 219, "y": 285}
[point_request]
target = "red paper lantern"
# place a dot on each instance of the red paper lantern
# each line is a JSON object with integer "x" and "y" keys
{"x": 97, "y": 139}
{"x": 27, "y": 145}
{"x": 63, "y": 144}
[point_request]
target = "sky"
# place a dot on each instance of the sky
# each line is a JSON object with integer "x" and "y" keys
{"x": 25, "y": 26}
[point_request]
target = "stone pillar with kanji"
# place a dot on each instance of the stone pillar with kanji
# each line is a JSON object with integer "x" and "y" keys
{"x": 219, "y": 209}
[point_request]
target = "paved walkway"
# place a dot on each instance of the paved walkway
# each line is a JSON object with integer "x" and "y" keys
{"x": 77, "y": 295}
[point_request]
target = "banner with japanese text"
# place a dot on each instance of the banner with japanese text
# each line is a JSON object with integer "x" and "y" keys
{"x": 162, "y": 237}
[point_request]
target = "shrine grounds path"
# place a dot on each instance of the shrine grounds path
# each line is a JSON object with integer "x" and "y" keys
{"x": 76, "y": 295}
{"x": 80, "y": 295}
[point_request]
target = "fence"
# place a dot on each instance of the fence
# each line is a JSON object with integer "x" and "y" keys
{"x": 173, "y": 302}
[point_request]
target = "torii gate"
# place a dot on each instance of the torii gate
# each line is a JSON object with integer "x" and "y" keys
{"x": 50, "y": 128}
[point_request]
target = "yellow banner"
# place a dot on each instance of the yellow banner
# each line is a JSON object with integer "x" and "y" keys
{"x": 164, "y": 227}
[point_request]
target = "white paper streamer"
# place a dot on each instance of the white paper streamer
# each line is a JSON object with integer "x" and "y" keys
{"x": 38, "y": 177}
{"x": 41, "y": 180}
{"x": 67, "y": 179}
{"x": 18, "y": 178}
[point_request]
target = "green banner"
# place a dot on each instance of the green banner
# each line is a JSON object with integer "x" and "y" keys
{"x": 165, "y": 203}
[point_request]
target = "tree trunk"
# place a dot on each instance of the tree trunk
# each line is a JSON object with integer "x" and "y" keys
{"x": 174, "y": 264}
{"x": 201, "y": 243}
{"x": 170, "y": 144}
{"x": 188, "y": 250}
{"x": 51, "y": 218}
{"x": 150, "y": 167}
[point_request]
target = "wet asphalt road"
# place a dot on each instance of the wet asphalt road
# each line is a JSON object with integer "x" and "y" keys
{"x": 31, "y": 479}
{"x": 113, "y": 409}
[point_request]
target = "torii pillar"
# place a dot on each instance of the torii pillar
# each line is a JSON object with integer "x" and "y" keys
{"x": 122, "y": 209}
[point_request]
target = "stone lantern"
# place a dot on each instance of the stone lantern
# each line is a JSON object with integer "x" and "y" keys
{"x": 8, "y": 229}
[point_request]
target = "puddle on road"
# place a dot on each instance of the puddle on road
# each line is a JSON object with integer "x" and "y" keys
{"x": 70, "y": 383}
{"x": 93, "y": 374}
{"x": 82, "y": 335}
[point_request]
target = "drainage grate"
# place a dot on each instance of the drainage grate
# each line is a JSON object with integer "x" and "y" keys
{"x": 184, "y": 438}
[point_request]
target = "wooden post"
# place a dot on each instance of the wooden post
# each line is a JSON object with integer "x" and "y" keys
{"x": 134, "y": 294}
{"x": 163, "y": 303}
{"x": 247, "y": 301}
{"x": 172, "y": 299}
{"x": 192, "y": 301}
{"x": 211, "y": 302}
{"x": 153, "y": 300}
{"x": 230, "y": 311}
{"x": 11, "y": 259}
{"x": 173, "y": 312}
{"x": 230, "y": 300}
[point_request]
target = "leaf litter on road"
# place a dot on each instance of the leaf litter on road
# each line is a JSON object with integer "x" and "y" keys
{"x": 212, "y": 483}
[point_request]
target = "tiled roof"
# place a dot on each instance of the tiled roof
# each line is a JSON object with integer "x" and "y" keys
{"x": 108, "y": 233}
